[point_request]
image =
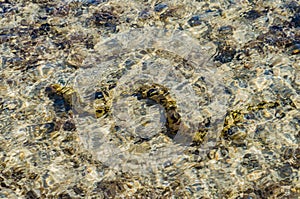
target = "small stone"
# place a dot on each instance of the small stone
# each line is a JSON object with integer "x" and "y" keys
{"x": 293, "y": 6}
{"x": 78, "y": 191}
{"x": 105, "y": 19}
{"x": 31, "y": 195}
{"x": 225, "y": 54}
{"x": 160, "y": 7}
{"x": 288, "y": 153}
{"x": 64, "y": 196}
{"x": 296, "y": 49}
{"x": 275, "y": 28}
{"x": 295, "y": 22}
{"x": 144, "y": 14}
{"x": 252, "y": 14}
{"x": 194, "y": 21}
{"x": 225, "y": 30}
{"x": 44, "y": 29}
{"x": 69, "y": 126}
{"x": 279, "y": 114}
{"x": 92, "y": 2}
{"x": 285, "y": 171}
{"x": 99, "y": 95}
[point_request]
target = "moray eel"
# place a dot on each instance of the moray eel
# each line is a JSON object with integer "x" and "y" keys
{"x": 102, "y": 102}
{"x": 161, "y": 95}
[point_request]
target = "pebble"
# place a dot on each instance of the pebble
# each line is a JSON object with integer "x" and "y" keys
{"x": 252, "y": 14}
{"x": 194, "y": 21}
{"x": 295, "y": 22}
{"x": 160, "y": 7}
{"x": 296, "y": 49}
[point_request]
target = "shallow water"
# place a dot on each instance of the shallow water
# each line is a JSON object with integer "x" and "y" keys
{"x": 199, "y": 99}
{"x": 196, "y": 87}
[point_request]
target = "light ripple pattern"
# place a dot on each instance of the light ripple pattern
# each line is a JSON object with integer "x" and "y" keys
{"x": 131, "y": 136}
